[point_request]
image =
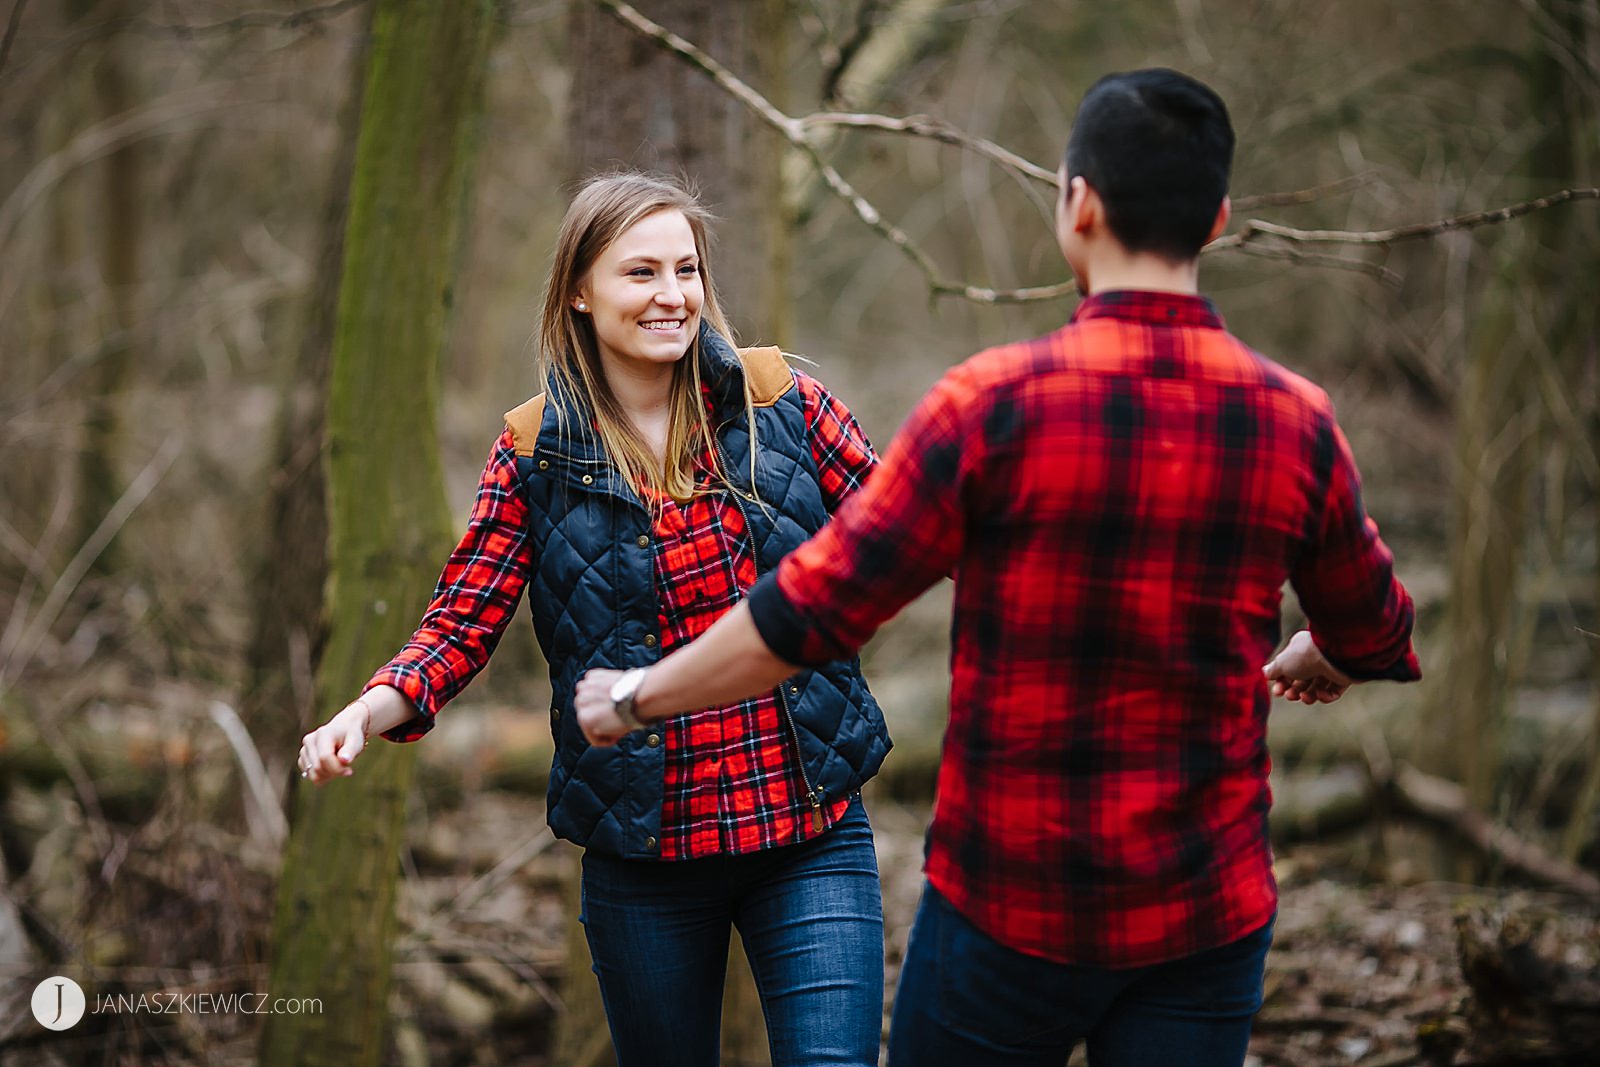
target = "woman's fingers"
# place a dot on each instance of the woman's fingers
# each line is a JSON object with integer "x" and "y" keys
{"x": 327, "y": 752}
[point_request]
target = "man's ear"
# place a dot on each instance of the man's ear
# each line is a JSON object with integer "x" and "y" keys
{"x": 1085, "y": 206}
{"x": 1220, "y": 223}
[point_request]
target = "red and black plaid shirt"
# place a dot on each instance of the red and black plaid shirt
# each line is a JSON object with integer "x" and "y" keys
{"x": 732, "y": 777}
{"x": 1122, "y": 501}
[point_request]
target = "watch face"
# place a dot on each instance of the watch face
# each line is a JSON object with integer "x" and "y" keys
{"x": 622, "y": 691}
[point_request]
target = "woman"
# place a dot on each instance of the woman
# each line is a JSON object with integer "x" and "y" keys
{"x": 658, "y": 474}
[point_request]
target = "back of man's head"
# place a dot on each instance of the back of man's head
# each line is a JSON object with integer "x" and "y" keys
{"x": 1157, "y": 147}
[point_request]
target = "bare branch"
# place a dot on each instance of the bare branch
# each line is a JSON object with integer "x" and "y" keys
{"x": 11, "y": 30}
{"x": 15, "y": 657}
{"x": 844, "y": 52}
{"x": 1322, "y": 259}
{"x": 793, "y": 131}
{"x": 1303, "y": 196}
{"x": 83, "y": 35}
{"x": 1245, "y": 239}
{"x": 937, "y": 130}
{"x": 250, "y": 20}
{"x": 1254, "y": 228}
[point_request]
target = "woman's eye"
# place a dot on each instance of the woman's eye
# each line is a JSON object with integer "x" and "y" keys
{"x": 640, "y": 272}
{"x": 688, "y": 268}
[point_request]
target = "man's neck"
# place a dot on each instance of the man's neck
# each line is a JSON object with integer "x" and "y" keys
{"x": 1117, "y": 269}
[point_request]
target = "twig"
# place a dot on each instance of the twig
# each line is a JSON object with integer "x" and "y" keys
{"x": 265, "y": 810}
{"x": 1323, "y": 259}
{"x": 104, "y": 138}
{"x": 933, "y": 129}
{"x": 1303, "y": 196}
{"x": 1469, "y": 221}
{"x": 250, "y": 20}
{"x": 793, "y": 131}
{"x": 20, "y": 652}
{"x": 11, "y": 31}
{"x": 491, "y": 880}
{"x": 290, "y": 20}
{"x": 836, "y": 65}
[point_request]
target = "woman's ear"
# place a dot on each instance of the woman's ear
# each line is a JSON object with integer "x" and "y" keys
{"x": 579, "y": 302}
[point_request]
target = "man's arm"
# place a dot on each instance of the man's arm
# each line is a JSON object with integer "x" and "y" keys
{"x": 1360, "y": 615}
{"x": 891, "y": 540}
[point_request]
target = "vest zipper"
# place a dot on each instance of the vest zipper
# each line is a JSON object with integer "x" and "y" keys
{"x": 813, "y": 795}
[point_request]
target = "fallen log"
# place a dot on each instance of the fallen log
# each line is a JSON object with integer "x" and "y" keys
{"x": 1526, "y": 1003}
{"x": 1444, "y": 804}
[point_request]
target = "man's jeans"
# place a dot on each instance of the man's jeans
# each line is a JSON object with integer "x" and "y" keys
{"x": 965, "y": 999}
{"x": 811, "y": 916}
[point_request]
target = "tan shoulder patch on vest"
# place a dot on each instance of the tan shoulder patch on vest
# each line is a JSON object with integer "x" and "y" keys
{"x": 768, "y": 373}
{"x": 525, "y": 420}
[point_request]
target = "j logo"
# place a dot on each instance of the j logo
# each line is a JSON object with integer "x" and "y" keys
{"x": 58, "y": 1003}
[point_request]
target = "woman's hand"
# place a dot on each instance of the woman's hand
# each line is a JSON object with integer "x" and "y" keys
{"x": 597, "y": 716}
{"x": 1301, "y": 672}
{"x": 327, "y": 752}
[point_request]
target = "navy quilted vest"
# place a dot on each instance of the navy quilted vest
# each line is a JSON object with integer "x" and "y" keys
{"x": 593, "y": 599}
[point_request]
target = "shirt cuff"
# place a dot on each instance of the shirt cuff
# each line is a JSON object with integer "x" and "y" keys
{"x": 409, "y": 681}
{"x": 783, "y": 629}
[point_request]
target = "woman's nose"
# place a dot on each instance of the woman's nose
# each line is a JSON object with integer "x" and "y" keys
{"x": 670, "y": 294}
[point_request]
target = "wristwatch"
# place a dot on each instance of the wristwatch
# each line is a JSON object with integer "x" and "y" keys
{"x": 622, "y": 694}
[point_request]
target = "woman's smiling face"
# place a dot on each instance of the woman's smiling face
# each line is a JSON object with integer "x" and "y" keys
{"x": 644, "y": 293}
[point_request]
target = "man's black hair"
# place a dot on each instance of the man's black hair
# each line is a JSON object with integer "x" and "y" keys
{"x": 1157, "y": 146}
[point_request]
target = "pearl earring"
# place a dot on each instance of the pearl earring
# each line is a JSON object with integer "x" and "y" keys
{"x": 582, "y": 306}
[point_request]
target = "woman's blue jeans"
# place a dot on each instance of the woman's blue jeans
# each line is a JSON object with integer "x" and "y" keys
{"x": 810, "y": 915}
{"x": 965, "y": 1000}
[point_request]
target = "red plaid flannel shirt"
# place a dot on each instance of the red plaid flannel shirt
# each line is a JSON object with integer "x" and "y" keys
{"x": 1122, "y": 501}
{"x": 732, "y": 778}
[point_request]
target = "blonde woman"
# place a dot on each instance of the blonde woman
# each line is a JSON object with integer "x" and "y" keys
{"x": 658, "y": 475}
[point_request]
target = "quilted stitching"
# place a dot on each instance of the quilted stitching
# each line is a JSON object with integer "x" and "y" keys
{"x": 592, "y": 601}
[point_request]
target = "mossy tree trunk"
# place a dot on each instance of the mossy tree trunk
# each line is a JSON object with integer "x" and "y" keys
{"x": 287, "y": 588}
{"x": 388, "y": 523}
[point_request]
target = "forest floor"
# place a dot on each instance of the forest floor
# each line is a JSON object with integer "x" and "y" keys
{"x": 1356, "y": 972}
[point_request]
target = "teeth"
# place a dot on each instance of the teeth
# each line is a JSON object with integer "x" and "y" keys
{"x": 661, "y": 326}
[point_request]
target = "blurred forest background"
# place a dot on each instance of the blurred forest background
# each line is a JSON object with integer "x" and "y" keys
{"x": 268, "y": 273}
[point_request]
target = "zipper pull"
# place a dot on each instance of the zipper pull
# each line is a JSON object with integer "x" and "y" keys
{"x": 816, "y": 811}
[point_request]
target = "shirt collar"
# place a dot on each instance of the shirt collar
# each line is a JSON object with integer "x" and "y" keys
{"x": 1150, "y": 306}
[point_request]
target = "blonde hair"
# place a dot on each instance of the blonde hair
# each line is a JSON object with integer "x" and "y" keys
{"x": 605, "y": 208}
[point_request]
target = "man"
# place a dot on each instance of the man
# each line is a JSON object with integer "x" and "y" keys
{"x": 1120, "y": 502}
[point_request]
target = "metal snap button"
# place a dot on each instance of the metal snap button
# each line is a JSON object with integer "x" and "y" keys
{"x": 654, "y": 740}
{"x": 649, "y": 640}
{"x": 644, "y": 541}
{"x": 588, "y": 479}
{"x": 650, "y": 843}
{"x": 544, "y": 464}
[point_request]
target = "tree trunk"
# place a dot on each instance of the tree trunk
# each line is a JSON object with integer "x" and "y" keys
{"x": 1499, "y": 420}
{"x": 120, "y": 176}
{"x": 287, "y": 637}
{"x": 634, "y": 105}
{"x": 388, "y": 524}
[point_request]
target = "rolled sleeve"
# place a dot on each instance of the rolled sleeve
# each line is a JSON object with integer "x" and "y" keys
{"x": 475, "y": 599}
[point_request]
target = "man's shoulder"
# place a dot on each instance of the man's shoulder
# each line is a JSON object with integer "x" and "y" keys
{"x": 1014, "y": 358}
